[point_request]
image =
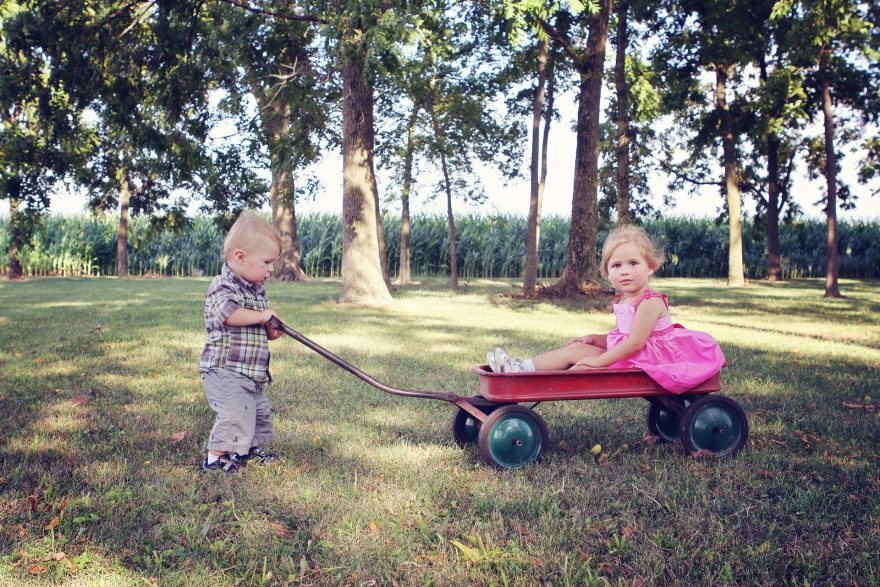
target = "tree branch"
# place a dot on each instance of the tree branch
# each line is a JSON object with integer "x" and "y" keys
{"x": 557, "y": 36}
{"x": 285, "y": 16}
{"x": 139, "y": 19}
{"x": 674, "y": 170}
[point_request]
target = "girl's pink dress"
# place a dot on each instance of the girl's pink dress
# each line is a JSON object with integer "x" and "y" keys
{"x": 675, "y": 357}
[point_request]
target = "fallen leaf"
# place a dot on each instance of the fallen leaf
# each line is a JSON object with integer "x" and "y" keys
{"x": 178, "y": 436}
{"x": 374, "y": 527}
{"x": 280, "y": 530}
{"x": 37, "y": 569}
{"x": 39, "y": 360}
{"x": 79, "y": 400}
{"x": 55, "y": 521}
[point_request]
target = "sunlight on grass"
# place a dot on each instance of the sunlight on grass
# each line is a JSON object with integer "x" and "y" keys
{"x": 103, "y": 428}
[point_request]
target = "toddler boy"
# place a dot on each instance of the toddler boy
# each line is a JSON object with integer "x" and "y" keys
{"x": 235, "y": 362}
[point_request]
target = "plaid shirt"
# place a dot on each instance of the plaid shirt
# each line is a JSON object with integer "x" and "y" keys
{"x": 243, "y": 349}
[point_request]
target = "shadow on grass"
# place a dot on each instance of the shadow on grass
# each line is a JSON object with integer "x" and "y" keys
{"x": 353, "y": 454}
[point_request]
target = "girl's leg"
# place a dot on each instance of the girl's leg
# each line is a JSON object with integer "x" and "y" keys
{"x": 565, "y": 357}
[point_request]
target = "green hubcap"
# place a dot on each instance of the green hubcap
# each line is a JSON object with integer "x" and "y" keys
{"x": 715, "y": 428}
{"x": 515, "y": 441}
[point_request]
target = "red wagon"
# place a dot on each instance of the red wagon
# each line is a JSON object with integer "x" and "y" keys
{"x": 511, "y": 436}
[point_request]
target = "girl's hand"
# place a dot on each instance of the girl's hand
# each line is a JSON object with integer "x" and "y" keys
{"x": 588, "y": 339}
{"x": 588, "y": 363}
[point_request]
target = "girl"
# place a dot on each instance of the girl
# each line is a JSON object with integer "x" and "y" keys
{"x": 645, "y": 337}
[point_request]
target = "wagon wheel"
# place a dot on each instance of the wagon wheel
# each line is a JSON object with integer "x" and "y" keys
{"x": 512, "y": 437}
{"x": 664, "y": 423}
{"x": 716, "y": 424}
{"x": 466, "y": 428}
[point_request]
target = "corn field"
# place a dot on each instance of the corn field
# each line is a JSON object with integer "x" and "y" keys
{"x": 488, "y": 247}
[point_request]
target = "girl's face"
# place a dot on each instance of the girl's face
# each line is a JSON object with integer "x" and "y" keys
{"x": 628, "y": 270}
{"x": 257, "y": 263}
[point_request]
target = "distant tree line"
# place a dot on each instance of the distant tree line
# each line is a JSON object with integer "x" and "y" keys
{"x": 490, "y": 247}
{"x": 123, "y": 99}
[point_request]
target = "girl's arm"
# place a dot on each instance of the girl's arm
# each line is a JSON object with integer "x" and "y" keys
{"x": 646, "y": 316}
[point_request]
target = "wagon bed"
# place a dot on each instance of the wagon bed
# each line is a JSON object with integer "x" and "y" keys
{"x": 545, "y": 386}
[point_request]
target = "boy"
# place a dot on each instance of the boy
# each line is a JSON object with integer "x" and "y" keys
{"x": 235, "y": 362}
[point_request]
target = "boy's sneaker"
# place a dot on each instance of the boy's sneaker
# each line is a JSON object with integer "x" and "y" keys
{"x": 228, "y": 463}
{"x": 497, "y": 359}
{"x": 258, "y": 456}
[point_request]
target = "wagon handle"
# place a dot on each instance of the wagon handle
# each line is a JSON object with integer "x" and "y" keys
{"x": 447, "y": 397}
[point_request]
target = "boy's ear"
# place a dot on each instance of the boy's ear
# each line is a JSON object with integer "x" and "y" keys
{"x": 238, "y": 255}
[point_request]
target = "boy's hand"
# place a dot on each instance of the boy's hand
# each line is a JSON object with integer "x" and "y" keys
{"x": 272, "y": 333}
{"x": 266, "y": 315}
{"x": 272, "y": 330}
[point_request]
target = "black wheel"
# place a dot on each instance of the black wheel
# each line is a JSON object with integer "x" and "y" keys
{"x": 716, "y": 424}
{"x": 466, "y": 428}
{"x": 663, "y": 422}
{"x": 512, "y": 437}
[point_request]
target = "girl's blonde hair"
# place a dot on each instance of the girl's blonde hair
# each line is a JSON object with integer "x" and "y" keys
{"x": 246, "y": 232}
{"x": 637, "y": 236}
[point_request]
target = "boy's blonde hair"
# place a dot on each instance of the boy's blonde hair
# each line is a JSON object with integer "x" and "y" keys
{"x": 246, "y": 232}
{"x": 635, "y": 235}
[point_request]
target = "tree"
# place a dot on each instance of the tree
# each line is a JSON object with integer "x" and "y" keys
{"x": 442, "y": 74}
{"x": 41, "y": 138}
{"x": 150, "y": 123}
{"x": 716, "y": 38}
{"x": 834, "y": 39}
{"x": 623, "y": 131}
{"x": 272, "y": 57}
{"x": 628, "y": 136}
{"x": 580, "y": 269}
{"x": 537, "y": 177}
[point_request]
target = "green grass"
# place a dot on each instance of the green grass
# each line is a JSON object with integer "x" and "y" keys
{"x": 98, "y": 375}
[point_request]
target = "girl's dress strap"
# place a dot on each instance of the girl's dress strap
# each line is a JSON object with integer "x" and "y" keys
{"x": 650, "y": 293}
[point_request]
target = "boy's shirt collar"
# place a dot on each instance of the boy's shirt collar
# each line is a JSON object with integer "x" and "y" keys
{"x": 231, "y": 275}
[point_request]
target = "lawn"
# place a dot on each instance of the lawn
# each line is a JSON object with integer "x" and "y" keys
{"x": 103, "y": 423}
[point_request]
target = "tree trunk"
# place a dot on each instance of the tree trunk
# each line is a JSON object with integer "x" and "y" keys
{"x": 380, "y": 236}
{"x": 283, "y": 197}
{"x": 450, "y": 218}
{"x": 275, "y": 118}
{"x": 530, "y": 271}
{"x": 774, "y": 257}
{"x": 735, "y": 272}
{"x": 831, "y": 287}
{"x": 622, "y": 171}
{"x": 13, "y": 255}
{"x": 404, "y": 276}
{"x": 122, "y": 236}
{"x": 288, "y": 267}
{"x": 580, "y": 269}
{"x": 362, "y": 279}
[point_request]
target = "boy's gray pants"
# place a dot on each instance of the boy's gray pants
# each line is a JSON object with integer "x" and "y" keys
{"x": 243, "y": 418}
